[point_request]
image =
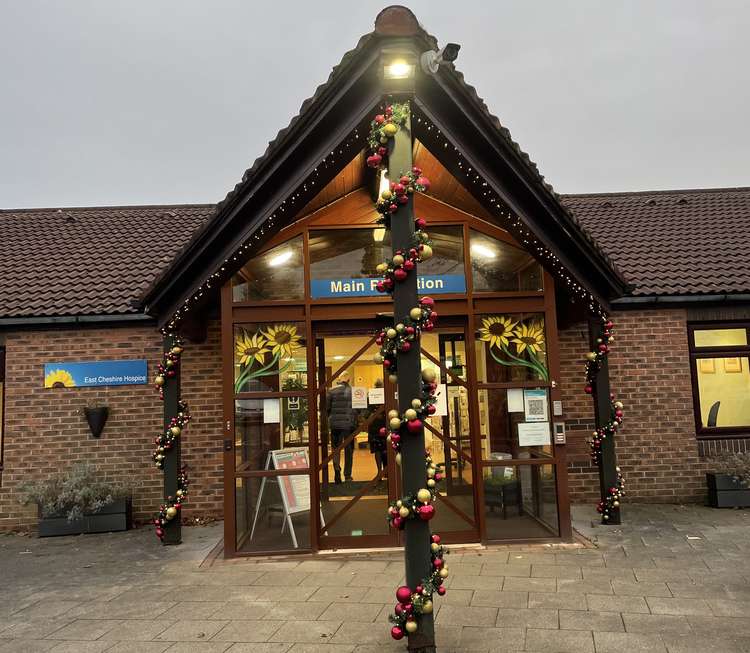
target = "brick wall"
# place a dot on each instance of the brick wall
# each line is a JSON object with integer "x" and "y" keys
{"x": 46, "y": 432}
{"x": 649, "y": 372}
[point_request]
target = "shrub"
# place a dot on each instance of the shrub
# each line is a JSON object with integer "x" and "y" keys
{"x": 736, "y": 465}
{"x": 73, "y": 494}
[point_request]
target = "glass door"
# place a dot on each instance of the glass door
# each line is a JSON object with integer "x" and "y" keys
{"x": 356, "y": 470}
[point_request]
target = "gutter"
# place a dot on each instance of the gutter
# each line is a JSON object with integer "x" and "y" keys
{"x": 680, "y": 299}
{"x": 74, "y": 319}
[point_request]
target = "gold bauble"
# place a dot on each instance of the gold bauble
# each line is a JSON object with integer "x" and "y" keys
{"x": 159, "y": 457}
{"x": 411, "y": 626}
{"x": 399, "y": 503}
{"x": 398, "y": 260}
{"x": 416, "y": 404}
{"x": 391, "y": 333}
{"x": 410, "y": 414}
{"x": 386, "y": 195}
{"x": 171, "y": 512}
{"x": 434, "y": 547}
{"x": 444, "y": 572}
{"x": 179, "y": 493}
{"x": 390, "y": 129}
{"x": 393, "y": 378}
{"x": 424, "y": 495}
{"x": 377, "y": 359}
{"x": 431, "y": 471}
{"x": 618, "y": 404}
{"x": 159, "y": 380}
{"x": 427, "y": 607}
{"x": 431, "y": 482}
{"x": 428, "y": 375}
{"x": 415, "y": 313}
{"x": 425, "y": 252}
{"x": 175, "y": 430}
{"x": 176, "y": 350}
{"x": 611, "y": 339}
{"x": 392, "y": 414}
{"x": 169, "y": 362}
{"x": 404, "y": 512}
{"x": 400, "y": 327}
{"x": 381, "y": 267}
{"x": 395, "y": 423}
{"x": 398, "y": 459}
{"x": 591, "y": 356}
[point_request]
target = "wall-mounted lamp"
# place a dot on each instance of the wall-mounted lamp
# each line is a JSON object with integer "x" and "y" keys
{"x": 378, "y": 234}
{"x": 432, "y": 59}
{"x": 482, "y": 251}
{"x": 281, "y": 258}
{"x": 398, "y": 69}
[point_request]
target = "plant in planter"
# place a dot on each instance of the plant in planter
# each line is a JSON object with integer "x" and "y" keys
{"x": 96, "y": 415}
{"x": 729, "y": 484}
{"x": 78, "y": 501}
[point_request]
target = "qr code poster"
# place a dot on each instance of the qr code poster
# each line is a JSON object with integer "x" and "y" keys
{"x": 535, "y": 405}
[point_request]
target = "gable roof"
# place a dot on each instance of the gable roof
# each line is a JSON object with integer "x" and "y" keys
{"x": 676, "y": 242}
{"x": 87, "y": 261}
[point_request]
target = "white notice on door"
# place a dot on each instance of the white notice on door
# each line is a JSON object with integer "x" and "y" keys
{"x": 533, "y": 435}
{"x": 376, "y": 396}
{"x": 515, "y": 400}
{"x": 359, "y": 396}
{"x": 441, "y": 405}
{"x": 271, "y": 411}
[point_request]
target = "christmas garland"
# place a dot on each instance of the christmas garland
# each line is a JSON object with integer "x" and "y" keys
{"x": 169, "y": 510}
{"x": 412, "y": 603}
{"x": 400, "y": 338}
{"x": 594, "y": 360}
{"x": 165, "y": 441}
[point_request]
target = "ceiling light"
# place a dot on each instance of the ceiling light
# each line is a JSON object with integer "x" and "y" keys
{"x": 398, "y": 69}
{"x": 338, "y": 358}
{"x": 281, "y": 258}
{"x": 378, "y": 234}
{"x": 482, "y": 251}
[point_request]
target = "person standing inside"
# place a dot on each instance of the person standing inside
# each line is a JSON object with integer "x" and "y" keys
{"x": 375, "y": 439}
{"x": 342, "y": 419}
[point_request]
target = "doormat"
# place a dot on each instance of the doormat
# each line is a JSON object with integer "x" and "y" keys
{"x": 350, "y": 488}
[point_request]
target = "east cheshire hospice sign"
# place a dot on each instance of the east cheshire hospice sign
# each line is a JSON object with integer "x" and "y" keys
{"x": 433, "y": 284}
{"x": 95, "y": 373}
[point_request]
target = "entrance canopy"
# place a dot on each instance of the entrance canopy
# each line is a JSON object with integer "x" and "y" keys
{"x": 449, "y": 119}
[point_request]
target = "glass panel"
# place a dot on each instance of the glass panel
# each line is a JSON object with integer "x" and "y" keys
{"x": 269, "y": 357}
{"x": 520, "y": 501}
{"x": 276, "y": 274}
{"x": 343, "y": 262}
{"x": 265, "y": 425}
{"x": 498, "y": 266}
{"x": 514, "y": 423}
{"x": 724, "y": 390}
{"x": 511, "y": 347}
{"x": 272, "y": 512}
{"x": 720, "y": 337}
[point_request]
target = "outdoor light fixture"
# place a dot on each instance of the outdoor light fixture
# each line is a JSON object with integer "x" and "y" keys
{"x": 398, "y": 69}
{"x": 482, "y": 251}
{"x": 280, "y": 259}
{"x": 432, "y": 59}
{"x": 378, "y": 234}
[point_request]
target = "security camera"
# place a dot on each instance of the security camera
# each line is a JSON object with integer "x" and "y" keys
{"x": 431, "y": 59}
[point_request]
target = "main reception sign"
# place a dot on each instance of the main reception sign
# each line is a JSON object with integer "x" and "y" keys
{"x": 426, "y": 284}
{"x": 95, "y": 373}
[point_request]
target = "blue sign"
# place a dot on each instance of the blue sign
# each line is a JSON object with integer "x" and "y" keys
{"x": 95, "y": 373}
{"x": 427, "y": 284}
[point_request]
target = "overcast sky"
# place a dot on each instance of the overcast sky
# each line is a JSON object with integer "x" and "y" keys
{"x": 141, "y": 102}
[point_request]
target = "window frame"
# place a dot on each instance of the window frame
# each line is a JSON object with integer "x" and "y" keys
{"x": 728, "y": 351}
{"x": 2, "y": 408}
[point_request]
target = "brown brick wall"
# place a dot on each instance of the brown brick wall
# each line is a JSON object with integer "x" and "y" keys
{"x": 649, "y": 371}
{"x": 45, "y": 431}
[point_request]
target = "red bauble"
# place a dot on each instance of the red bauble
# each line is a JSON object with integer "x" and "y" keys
{"x": 423, "y": 181}
{"x": 437, "y": 563}
{"x": 395, "y": 437}
{"x": 397, "y": 522}
{"x": 410, "y": 330}
{"x": 399, "y": 189}
{"x": 418, "y": 589}
{"x": 420, "y": 223}
{"x": 403, "y": 594}
{"x": 399, "y": 608}
{"x": 435, "y": 539}
{"x": 403, "y": 199}
{"x": 427, "y": 301}
{"x": 416, "y": 170}
{"x": 397, "y": 632}
{"x": 393, "y": 208}
{"x": 382, "y": 432}
{"x": 413, "y": 252}
{"x": 431, "y": 409}
{"x": 404, "y": 180}
{"x": 380, "y": 119}
{"x": 405, "y": 346}
{"x": 400, "y": 274}
{"x": 389, "y": 110}
{"x": 428, "y": 326}
{"x": 408, "y": 264}
{"x": 388, "y": 283}
{"x": 374, "y": 160}
{"x": 382, "y": 151}
{"x": 609, "y": 324}
{"x": 618, "y": 413}
{"x": 414, "y": 425}
{"x": 427, "y": 512}
{"x": 433, "y": 316}
{"x": 603, "y": 347}
{"x": 438, "y": 477}
{"x": 159, "y": 533}
{"x": 588, "y": 389}
{"x": 441, "y": 590}
{"x": 380, "y": 287}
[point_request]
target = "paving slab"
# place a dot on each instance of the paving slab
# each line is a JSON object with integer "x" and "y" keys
{"x": 559, "y": 641}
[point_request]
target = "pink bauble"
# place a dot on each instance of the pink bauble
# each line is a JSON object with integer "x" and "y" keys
{"x": 421, "y": 223}
{"x": 437, "y": 563}
{"x": 404, "y": 180}
{"x": 408, "y": 608}
{"x": 392, "y": 208}
{"x": 418, "y": 589}
{"x": 416, "y": 170}
{"x": 379, "y": 119}
{"x": 414, "y": 425}
{"x": 428, "y": 326}
{"x": 403, "y": 594}
{"x": 397, "y": 632}
{"x": 435, "y": 539}
{"x": 380, "y": 287}
{"x": 159, "y": 532}
{"x": 427, "y": 301}
{"x": 427, "y": 512}
{"x": 395, "y": 437}
{"x": 374, "y": 160}
{"x": 441, "y": 590}
{"x": 403, "y": 199}
{"x": 405, "y": 346}
{"x": 399, "y": 189}
{"x": 400, "y": 274}
{"x": 408, "y": 264}
{"x": 423, "y": 181}
{"x": 399, "y": 608}
{"x": 382, "y": 151}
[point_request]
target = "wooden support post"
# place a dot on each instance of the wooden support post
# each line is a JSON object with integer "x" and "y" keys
{"x": 172, "y": 463}
{"x": 413, "y": 469}
{"x": 602, "y": 411}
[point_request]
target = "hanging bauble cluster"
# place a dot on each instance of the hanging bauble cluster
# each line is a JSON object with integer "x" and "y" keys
{"x": 419, "y": 506}
{"x": 167, "y": 368}
{"x": 165, "y": 441}
{"x": 614, "y": 496}
{"x": 398, "y": 193}
{"x": 383, "y": 127}
{"x": 412, "y": 603}
{"x": 396, "y": 269}
{"x": 402, "y": 336}
{"x": 171, "y": 508}
{"x": 594, "y": 358}
{"x": 609, "y": 429}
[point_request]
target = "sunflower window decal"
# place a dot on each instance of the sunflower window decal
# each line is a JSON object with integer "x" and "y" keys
{"x": 515, "y": 343}
{"x": 259, "y": 353}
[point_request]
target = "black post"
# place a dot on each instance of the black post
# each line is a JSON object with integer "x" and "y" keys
{"x": 172, "y": 465}
{"x": 602, "y": 413}
{"x": 413, "y": 470}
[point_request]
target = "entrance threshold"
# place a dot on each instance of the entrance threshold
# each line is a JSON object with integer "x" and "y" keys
{"x": 398, "y": 549}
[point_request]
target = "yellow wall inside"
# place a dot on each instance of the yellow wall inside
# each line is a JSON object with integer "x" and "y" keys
{"x": 732, "y": 389}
